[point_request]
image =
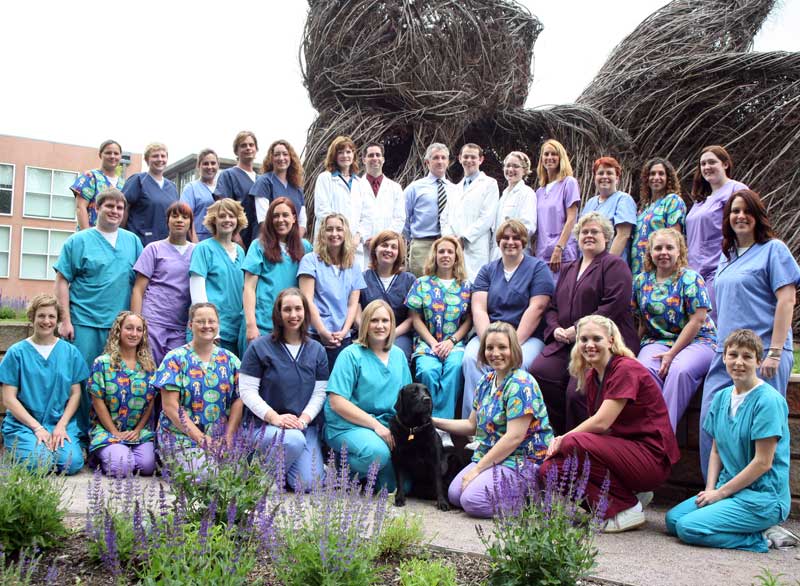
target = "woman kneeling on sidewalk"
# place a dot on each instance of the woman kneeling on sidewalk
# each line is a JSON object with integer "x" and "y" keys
{"x": 628, "y": 436}
{"x": 747, "y": 491}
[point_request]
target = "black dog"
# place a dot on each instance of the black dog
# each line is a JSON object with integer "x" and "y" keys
{"x": 418, "y": 454}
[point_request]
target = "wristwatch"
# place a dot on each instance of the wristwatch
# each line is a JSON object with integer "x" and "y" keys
{"x": 774, "y": 353}
{"x": 453, "y": 339}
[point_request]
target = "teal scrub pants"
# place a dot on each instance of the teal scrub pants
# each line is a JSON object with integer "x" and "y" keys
{"x": 443, "y": 379}
{"x": 364, "y": 447}
{"x": 90, "y": 343}
{"x": 68, "y": 458}
{"x": 726, "y": 524}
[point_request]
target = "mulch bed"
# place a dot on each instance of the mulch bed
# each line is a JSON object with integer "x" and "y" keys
{"x": 76, "y": 567}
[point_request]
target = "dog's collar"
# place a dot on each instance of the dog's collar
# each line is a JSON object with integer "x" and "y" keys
{"x": 411, "y": 430}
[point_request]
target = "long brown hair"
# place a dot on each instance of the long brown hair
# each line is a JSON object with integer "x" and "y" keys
{"x": 271, "y": 243}
{"x": 673, "y": 183}
{"x": 701, "y": 188}
{"x": 294, "y": 174}
{"x": 755, "y": 207}
{"x": 143, "y": 354}
{"x": 278, "y": 329}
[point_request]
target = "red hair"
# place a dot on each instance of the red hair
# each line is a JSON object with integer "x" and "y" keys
{"x": 607, "y": 162}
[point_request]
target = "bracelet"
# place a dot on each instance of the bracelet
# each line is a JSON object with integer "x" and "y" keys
{"x": 35, "y": 429}
{"x": 561, "y": 248}
{"x": 774, "y": 353}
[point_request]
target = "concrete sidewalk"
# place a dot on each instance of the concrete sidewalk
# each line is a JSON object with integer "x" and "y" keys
{"x": 647, "y": 557}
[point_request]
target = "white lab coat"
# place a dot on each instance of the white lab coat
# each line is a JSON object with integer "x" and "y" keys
{"x": 518, "y": 203}
{"x": 470, "y": 216}
{"x": 389, "y": 206}
{"x": 331, "y": 195}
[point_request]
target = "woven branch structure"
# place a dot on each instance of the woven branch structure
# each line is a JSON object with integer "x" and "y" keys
{"x": 411, "y": 72}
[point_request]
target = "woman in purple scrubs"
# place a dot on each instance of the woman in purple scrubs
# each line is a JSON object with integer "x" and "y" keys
{"x": 557, "y": 202}
{"x": 711, "y": 189}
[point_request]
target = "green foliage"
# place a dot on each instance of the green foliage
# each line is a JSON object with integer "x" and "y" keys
{"x": 400, "y": 535}
{"x": 542, "y": 548}
{"x": 219, "y": 558}
{"x": 767, "y": 578}
{"x": 420, "y": 572}
{"x": 30, "y": 506}
{"x": 7, "y": 313}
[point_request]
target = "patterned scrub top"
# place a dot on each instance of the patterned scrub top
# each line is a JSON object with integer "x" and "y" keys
{"x": 443, "y": 309}
{"x": 517, "y": 395}
{"x": 665, "y": 308}
{"x": 89, "y": 185}
{"x": 666, "y": 212}
{"x": 126, "y": 393}
{"x": 207, "y": 391}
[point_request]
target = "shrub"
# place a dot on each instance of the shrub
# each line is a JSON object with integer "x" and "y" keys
{"x": 330, "y": 536}
{"x": 419, "y": 572}
{"x": 239, "y": 473}
{"x": 541, "y": 536}
{"x": 400, "y": 535}
{"x": 30, "y": 506}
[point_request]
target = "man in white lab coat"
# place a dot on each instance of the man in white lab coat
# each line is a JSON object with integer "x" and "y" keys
{"x": 471, "y": 209}
{"x": 389, "y": 203}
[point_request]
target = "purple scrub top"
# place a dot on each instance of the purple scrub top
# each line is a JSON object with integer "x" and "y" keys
{"x": 551, "y": 215}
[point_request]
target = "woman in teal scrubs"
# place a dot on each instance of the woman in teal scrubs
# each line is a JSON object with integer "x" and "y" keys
{"x": 215, "y": 273}
{"x": 362, "y": 391}
{"x": 41, "y": 378}
{"x": 270, "y": 267}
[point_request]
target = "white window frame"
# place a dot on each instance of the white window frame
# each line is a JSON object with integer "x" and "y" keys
{"x": 74, "y": 217}
{"x": 10, "y": 240}
{"x": 13, "y": 180}
{"x": 22, "y": 249}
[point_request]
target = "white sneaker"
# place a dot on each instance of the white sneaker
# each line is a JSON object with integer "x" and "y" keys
{"x": 645, "y": 498}
{"x": 781, "y": 538}
{"x": 447, "y": 441}
{"x": 626, "y": 520}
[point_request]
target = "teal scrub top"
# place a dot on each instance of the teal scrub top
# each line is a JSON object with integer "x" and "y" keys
{"x": 43, "y": 385}
{"x": 224, "y": 284}
{"x": 272, "y": 279}
{"x": 100, "y": 276}
{"x": 763, "y": 414}
{"x": 360, "y": 377}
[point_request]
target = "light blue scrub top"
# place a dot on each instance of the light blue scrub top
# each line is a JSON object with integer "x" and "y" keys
{"x": 619, "y": 208}
{"x": 43, "y": 385}
{"x": 272, "y": 279}
{"x": 100, "y": 276}
{"x": 199, "y": 197}
{"x": 360, "y": 377}
{"x": 745, "y": 291}
{"x": 224, "y": 284}
{"x": 762, "y": 414}
{"x": 331, "y": 291}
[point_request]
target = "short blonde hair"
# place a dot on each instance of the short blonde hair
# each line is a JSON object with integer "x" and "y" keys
{"x": 600, "y": 220}
{"x": 564, "y": 166}
{"x": 153, "y": 147}
{"x": 240, "y": 136}
{"x": 683, "y": 252}
{"x": 459, "y": 270}
{"x": 366, "y": 316}
{"x": 43, "y": 300}
{"x": 229, "y": 205}
{"x": 524, "y": 160}
{"x": 577, "y": 363}
{"x": 501, "y": 327}
{"x": 348, "y": 255}
{"x": 339, "y": 144}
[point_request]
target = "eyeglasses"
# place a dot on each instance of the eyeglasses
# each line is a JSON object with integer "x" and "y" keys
{"x": 512, "y": 166}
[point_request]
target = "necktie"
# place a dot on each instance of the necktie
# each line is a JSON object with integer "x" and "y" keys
{"x": 441, "y": 196}
{"x": 466, "y": 183}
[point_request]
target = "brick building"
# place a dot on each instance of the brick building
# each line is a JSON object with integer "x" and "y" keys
{"x": 37, "y": 208}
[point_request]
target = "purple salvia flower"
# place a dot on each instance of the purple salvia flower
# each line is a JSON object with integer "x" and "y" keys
{"x": 52, "y": 576}
{"x": 230, "y": 513}
{"x": 602, "y": 503}
{"x": 110, "y": 556}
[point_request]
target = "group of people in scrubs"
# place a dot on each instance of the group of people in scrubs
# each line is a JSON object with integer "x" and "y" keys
{"x": 542, "y": 330}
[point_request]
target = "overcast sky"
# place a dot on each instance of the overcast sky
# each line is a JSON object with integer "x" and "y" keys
{"x": 192, "y": 74}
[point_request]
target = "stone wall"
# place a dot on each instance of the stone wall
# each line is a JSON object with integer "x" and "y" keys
{"x": 686, "y": 479}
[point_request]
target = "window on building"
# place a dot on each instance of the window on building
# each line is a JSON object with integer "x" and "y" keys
{"x": 40, "y": 250}
{"x": 47, "y": 194}
{"x": 5, "y": 250}
{"x": 185, "y": 179}
{"x": 6, "y": 187}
